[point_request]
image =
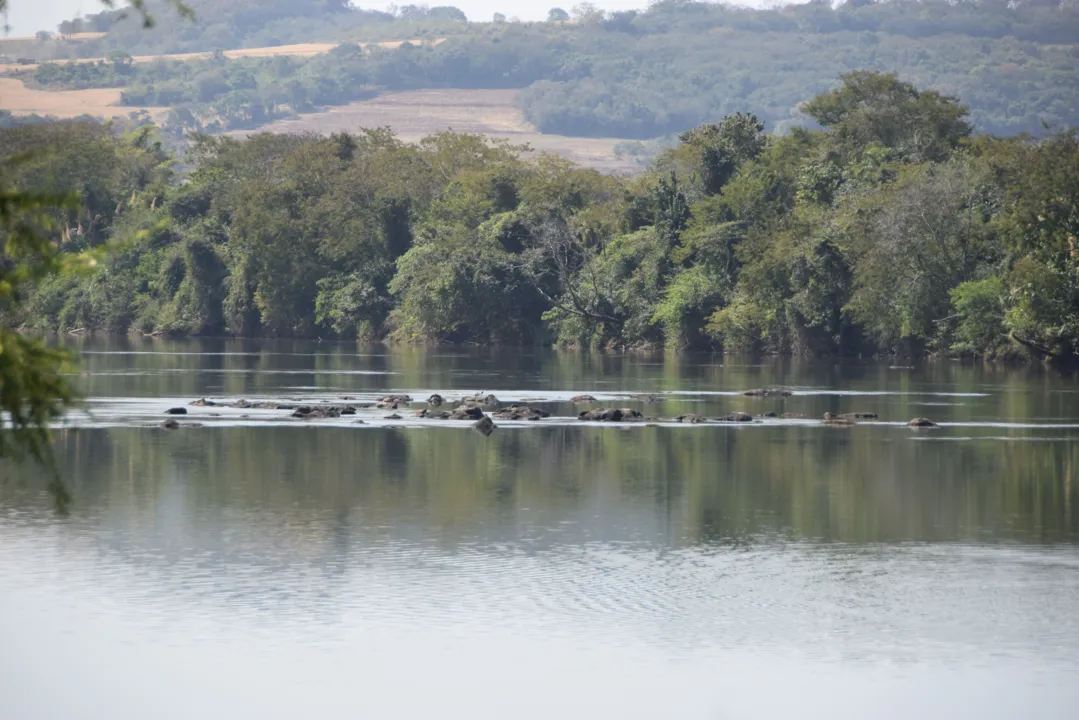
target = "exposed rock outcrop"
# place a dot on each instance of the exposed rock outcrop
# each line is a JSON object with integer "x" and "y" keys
{"x": 922, "y": 423}
{"x": 737, "y": 417}
{"x": 467, "y": 412}
{"x": 521, "y": 412}
{"x": 489, "y": 402}
{"x": 392, "y": 402}
{"x": 611, "y": 415}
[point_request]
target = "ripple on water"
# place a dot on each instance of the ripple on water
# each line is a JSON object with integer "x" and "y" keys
{"x": 824, "y": 600}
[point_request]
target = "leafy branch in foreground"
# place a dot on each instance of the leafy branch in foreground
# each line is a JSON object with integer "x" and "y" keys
{"x": 34, "y": 385}
{"x": 138, "y": 5}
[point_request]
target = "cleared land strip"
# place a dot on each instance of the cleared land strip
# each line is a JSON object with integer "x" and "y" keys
{"x": 415, "y": 114}
{"x": 301, "y": 50}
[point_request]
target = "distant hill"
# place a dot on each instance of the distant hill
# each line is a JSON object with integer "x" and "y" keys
{"x": 624, "y": 74}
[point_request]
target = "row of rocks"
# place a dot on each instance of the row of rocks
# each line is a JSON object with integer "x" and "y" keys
{"x": 472, "y": 408}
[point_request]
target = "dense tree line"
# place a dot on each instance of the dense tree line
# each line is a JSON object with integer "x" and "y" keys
{"x": 893, "y": 229}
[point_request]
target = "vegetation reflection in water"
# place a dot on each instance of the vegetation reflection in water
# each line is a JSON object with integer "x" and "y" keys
{"x": 866, "y": 484}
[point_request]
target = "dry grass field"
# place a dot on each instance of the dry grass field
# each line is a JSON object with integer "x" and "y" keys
{"x": 415, "y": 114}
{"x": 21, "y": 100}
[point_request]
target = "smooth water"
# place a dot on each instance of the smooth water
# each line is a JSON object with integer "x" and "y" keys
{"x": 265, "y": 567}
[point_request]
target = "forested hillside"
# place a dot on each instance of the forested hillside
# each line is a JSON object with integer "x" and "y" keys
{"x": 625, "y": 74}
{"x": 893, "y": 229}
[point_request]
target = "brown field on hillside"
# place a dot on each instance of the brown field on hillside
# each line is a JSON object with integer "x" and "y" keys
{"x": 21, "y": 100}
{"x": 301, "y": 50}
{"x": 412, "y": 115}
{"x": 415, "y": 114}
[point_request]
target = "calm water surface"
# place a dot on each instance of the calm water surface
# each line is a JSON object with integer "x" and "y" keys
{"x": 265, "y": 567}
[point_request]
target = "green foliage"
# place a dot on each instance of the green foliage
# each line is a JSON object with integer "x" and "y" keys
{"x": 979, "y": 306}
{"x": 637, "y": 75}
{"x": 34, "y": 389}
{"x": 890, "y": 230}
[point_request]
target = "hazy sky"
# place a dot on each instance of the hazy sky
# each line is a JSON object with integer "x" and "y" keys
{"x": 28, "y": 16}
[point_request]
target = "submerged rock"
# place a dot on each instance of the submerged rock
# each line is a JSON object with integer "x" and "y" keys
{"x": 611, "y": 415}
{"x": 203, "y": 402}
{"x": 395, "y": 416}
{"x": 691, "y": 419}
{"x": 273, "y": 405}
{"x": 769, "y": 414}
{"x": 170, "y": 425}
{"x": 859, "y": 416}
{"x": 582, "y": 399}
{"x": 768, "y": 392}
{"x": 176, "y": 411}
{"x": 485, "y": 426}
{"x": 921, "y": 423}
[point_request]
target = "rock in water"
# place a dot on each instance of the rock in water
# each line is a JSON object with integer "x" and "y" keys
{"x": 467, "y": 412}
{"x": 485, "y": 427}
{"x": 581, "y": 399}
{"x": 768, "y": 392}
{"x": 921, "y": 423}
{"x": 170, "y": 425}
{"x": 435, "y": 400}
{"x": 521, "y": 412}
{"x": 690, "y": 419}
{"x": 738, "y": 417}
{"x": 489, "y": 402}
{"x": 176, "y": 411}
{"x": 611, "y": 415}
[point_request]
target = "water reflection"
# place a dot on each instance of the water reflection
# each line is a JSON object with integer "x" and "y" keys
{"x": 404, "y": 572}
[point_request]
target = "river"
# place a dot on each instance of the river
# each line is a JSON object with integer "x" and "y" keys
{"x": 254, "y": 565}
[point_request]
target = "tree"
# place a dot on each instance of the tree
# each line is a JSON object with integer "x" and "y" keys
{"x": 447, "y": 13}
{"x": 721, "y": 149}
{"x": 878, "y": 108}
{"x": 557, "y": 15}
